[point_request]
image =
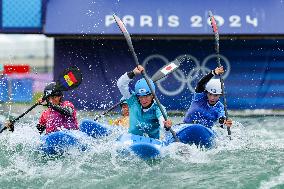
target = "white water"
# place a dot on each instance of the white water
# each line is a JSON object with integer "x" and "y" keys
{"x": 253, "y": 159}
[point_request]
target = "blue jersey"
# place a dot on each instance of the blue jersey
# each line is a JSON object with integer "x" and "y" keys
{"x": 143, "y": 122}
{"x": 201, "y": 112}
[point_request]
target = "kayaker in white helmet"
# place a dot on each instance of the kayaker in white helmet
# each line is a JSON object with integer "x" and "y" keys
{"x": 145, "y": 117}
{"x": 205, "y": 107}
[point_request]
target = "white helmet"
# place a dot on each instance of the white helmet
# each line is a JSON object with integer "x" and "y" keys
{"x": 214, "y": 86}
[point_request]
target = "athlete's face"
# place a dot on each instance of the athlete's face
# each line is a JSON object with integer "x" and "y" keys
{"x": 213, "y": 98}
{"x": 125, "y": 110}
{"x": 145, "y": 100}
{"x": 54, "y": 99}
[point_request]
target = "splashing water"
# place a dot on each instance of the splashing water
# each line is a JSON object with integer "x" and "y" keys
{"x": 254, "y": 158}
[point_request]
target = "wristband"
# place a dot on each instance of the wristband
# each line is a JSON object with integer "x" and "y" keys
{"x": 131, "y": 74}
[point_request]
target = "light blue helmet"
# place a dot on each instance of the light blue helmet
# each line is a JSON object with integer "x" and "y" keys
{"x": 142, "y": 88}
{"x": 123, "y": 101}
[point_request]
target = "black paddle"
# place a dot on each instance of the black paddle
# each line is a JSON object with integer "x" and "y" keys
{"x": 129, "y": 42}
{"x": 215, "y": 30}
{"x": 161, "y": 73}
{"x": 68, "y": 80}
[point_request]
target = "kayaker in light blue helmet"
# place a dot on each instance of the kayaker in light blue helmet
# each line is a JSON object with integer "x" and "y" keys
{"x": 145, "y": 115}
{"x": 205, "y": 107}
{"x": 142, "y": 88}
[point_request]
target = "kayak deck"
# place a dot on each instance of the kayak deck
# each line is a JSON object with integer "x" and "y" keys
{"x": 143, "y": 147}
{"x": 196, "y": 134}
{"x": 56, "y": 143}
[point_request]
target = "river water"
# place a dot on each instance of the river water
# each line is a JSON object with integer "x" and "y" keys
{"x": 254, "y": 158}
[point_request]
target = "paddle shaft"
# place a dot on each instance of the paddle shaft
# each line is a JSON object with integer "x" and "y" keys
{"x": 76, "y": 79}
{"x": 27, "y": 111}
{"x": 216, "y": 33}
{"x": 223, "y": 90}
{"x": 107, "y": 111}
{"x": 129, "y": 42}
{"x": 20, "y": 116}
{"x": 128, "y": 39}
{"x": 157, "y": 76}
{"x": 23, "y": 114}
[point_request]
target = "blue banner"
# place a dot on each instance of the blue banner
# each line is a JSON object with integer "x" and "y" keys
{"x": 21, "y": 16}
{"x": 164, "y": 16}
{"x": 253, "y": 78}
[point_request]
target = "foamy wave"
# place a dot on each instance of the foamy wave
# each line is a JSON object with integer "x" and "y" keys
{"x": 274, "y": 182}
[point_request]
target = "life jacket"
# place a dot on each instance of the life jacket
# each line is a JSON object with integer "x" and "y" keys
{"x": 201, "y": 112}
{"x": 143, "y": 123}
{"x": 54, "y": 121}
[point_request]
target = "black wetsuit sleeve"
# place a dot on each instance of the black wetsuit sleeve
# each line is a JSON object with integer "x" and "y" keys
{"x": 131, "y": 75}
{"x": 68, "y": 111}
{"x": 201, "y": 84}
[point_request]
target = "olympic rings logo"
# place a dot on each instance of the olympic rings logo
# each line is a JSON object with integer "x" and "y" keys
{"x": 186, "y": 80}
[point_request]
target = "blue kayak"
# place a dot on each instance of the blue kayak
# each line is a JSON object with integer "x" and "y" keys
{"x": 56, "y": 143}
{"x": 143, "y": 147}
{"x": 148, "y": 148}
{"x": 193, "y": 134}
{"x": 95, "y": 129}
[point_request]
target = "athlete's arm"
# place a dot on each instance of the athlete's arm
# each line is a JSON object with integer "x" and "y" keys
{"x": 67, "y": 110}
{"x": 201, "y": 84}
{"x": 122, "y": 84}
{"x": 124, "y": 80}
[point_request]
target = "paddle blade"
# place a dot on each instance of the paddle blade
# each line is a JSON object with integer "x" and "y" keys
{"x": 215, "y": 30}
{"x": 69, "y": 79}
{"x": 213, "y": 22}
{"x": 120, "y": 25}
{"x": 166, "y": 70}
